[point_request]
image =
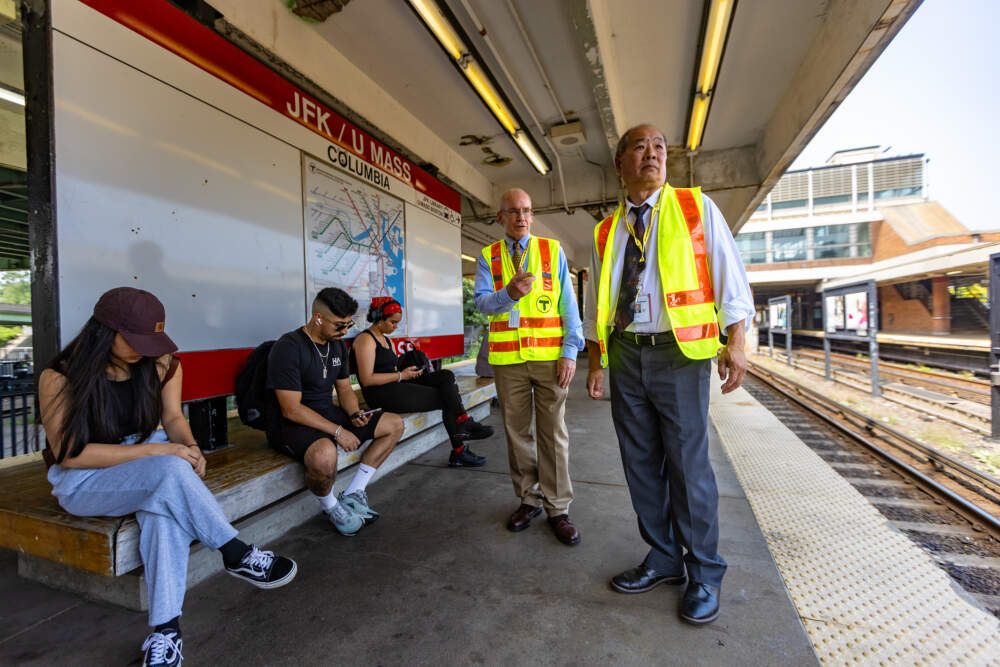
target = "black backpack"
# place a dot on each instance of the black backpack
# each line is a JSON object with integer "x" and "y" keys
{"x": 415, "y": 357}
{"x": 256, "y": 403}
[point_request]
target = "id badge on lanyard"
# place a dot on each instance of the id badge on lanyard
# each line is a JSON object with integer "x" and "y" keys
{"x": 641, "y": 309}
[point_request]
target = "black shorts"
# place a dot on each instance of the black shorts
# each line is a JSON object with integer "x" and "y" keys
{"x": 294, "y": 439}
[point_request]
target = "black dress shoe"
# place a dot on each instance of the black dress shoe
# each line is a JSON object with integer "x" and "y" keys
{"x": 701, "y": 603}
{"x": 643, "y": 578}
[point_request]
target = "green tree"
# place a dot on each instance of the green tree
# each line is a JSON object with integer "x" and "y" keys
{"x": 471, "y": 315}
{"x": 15, "y": 287}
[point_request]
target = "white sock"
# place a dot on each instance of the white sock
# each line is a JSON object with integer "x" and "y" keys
{"x": 361, "y": 478}
{"x": 327, "y": 502}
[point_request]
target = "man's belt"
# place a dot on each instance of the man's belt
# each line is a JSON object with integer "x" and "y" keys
{"x": 647, "y": 340}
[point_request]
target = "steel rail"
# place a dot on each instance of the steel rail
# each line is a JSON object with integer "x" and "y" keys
{"x": 940, "y": 379}
{"x": 937, "y": 459}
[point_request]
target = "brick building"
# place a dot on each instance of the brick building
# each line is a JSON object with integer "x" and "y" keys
{"x": 864, "y": 215}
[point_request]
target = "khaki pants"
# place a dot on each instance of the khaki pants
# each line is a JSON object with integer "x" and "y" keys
{"x": 540, "y": 474}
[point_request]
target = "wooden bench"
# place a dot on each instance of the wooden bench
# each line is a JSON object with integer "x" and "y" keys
{"x": 260, "y": 491}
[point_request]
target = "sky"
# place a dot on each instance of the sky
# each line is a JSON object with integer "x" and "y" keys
{"x": 934, "y": 90}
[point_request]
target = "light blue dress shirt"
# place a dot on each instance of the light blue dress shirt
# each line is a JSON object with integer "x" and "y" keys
{"x": 490, "y": 302}
{"x": 733, "y": 300}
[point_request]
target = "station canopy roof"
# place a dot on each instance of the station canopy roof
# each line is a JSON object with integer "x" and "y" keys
{"x": 609, "y": 64}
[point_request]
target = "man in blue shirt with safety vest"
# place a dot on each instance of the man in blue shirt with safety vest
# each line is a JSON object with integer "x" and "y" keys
{"x": 667, "y": 279}
{"x": 523, "y": 285}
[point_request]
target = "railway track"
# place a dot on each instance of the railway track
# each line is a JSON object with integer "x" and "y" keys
{"x": 968, "y": 389}
{"x": 950, "y": 509}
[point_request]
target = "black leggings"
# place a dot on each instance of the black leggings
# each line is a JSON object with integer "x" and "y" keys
{"x": 431, "y": 391}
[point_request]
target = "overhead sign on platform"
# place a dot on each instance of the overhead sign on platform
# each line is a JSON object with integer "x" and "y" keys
{"x": 351, "y": 148}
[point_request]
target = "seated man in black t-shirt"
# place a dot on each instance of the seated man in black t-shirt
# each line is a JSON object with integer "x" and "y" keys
{"x": 303, "y": 368}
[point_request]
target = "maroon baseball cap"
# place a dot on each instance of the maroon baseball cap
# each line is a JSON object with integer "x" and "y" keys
{"x": 138, "y": 316}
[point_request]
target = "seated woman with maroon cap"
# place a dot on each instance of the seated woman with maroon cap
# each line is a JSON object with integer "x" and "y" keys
{"x": 118, "y": 443}
{"x": 410, "y": 389}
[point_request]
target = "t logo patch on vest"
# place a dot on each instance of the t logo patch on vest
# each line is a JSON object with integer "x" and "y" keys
{"x": 543, "y": 303}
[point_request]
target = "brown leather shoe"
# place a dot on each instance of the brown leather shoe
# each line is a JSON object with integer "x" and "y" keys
{"x": 564, "y": 529}
{"x": 521, "y": 518}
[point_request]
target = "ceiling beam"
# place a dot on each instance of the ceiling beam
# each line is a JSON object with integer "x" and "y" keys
{"x": 593, "y": 28}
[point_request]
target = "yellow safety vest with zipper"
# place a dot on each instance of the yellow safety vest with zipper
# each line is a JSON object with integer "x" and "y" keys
{"x": 538, "y": 334}
{"x": 682, "y": 261}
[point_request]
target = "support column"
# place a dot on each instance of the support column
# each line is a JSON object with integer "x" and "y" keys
{"x": 941, "y": 314}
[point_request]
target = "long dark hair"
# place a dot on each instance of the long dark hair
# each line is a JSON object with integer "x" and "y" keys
{"x": 86, "y": 397}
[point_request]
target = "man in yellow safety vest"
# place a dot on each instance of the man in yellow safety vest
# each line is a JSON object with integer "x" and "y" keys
{"x": 667, "y": 278}
{"x": 523, "y": 285}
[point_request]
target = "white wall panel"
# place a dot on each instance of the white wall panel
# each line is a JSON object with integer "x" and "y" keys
{"x": 433, "y": 275}
{"x": 158, "y": 190}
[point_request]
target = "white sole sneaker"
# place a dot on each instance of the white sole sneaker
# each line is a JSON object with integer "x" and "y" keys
{"x": 277, "y": 583}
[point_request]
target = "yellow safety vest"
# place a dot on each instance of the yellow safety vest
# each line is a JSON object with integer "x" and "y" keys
{"x": 539, "y": 333}
{"x": 683, "y": 264}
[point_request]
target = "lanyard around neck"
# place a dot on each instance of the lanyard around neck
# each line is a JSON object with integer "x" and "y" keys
{"x": 641, "y": 243}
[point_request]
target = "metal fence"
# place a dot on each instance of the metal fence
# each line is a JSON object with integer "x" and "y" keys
{"x": 18, "y": 431}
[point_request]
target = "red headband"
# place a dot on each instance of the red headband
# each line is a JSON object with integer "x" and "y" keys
{"x": 386, "y": 305}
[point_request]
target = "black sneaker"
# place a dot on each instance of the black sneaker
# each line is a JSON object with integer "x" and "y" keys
{"x": 466, "y": 459}
{"x": 162, "y": 649}
{"x": 470, "y": 429}
{"x": 263, "y": 569}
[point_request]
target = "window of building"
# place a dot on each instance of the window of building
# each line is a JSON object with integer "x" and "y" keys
{"x": 832, "y": 241}
{"x": 864, "y": 239}
{"x": 795, "y": 203}
{"x": 752, "y": 247}
{"x": 789, "y": 245}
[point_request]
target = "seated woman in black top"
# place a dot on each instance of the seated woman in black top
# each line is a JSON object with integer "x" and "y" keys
{"x": 410, "y": 389}
{"x": 118, "y": 443}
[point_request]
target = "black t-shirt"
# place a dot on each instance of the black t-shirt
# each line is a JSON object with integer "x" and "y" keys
{"x": 295, "y": 364}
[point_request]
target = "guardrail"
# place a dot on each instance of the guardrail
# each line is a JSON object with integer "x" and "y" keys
{"x": 18, "y": 431}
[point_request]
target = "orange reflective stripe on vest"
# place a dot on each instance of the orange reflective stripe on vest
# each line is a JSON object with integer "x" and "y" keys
{"x": 603, "y": 229}
{"x": 496, "y": 265}
{"x": 530, "y": 341}
{"x": 704, "y": 293}
{"x": 697, "y": 332}
{"x": 527, "y": 322}
{"x": 543, "y": 245}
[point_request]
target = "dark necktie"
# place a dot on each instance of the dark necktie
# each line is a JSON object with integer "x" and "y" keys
{"x": 631, "y": 272}
{"x": 518, "y": 252}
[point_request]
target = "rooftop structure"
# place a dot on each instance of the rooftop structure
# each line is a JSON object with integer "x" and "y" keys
{"x": 865, "y": 215}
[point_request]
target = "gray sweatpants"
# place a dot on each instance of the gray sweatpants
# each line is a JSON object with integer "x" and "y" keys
{"x": 170, "y": 502}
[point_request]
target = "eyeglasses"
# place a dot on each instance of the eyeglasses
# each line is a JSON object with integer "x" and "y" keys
{"x": 342, "y": 326}
{"x": 526, "y": 212}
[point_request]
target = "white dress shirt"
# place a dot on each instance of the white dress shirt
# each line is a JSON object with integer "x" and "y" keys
{"x": 733, "y": 300}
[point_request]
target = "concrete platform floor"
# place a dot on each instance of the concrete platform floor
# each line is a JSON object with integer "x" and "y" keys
{"x": 439, "y": 580}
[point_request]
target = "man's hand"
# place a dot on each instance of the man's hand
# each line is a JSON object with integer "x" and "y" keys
{"x": 732, "y": 362}
{"x": 347, "y": 440}
{"x": 565, "y": 369}
{"x": 359, "y": 419}
{"x": 595, "y": 383}
{"x": 520, "y": 285}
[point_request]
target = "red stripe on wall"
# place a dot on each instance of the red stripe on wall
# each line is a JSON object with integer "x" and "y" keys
{"x": 164, "y": 24}
{"x": 210, "y": 373}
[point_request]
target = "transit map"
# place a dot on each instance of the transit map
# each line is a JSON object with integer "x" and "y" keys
{"x": 354, "y": 238}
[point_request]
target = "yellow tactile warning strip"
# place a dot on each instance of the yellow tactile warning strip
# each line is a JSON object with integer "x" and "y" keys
{"x": 866, "y": 594}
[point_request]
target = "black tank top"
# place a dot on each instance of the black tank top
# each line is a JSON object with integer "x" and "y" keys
{"x": 385, "y": 358}
{"x": 122, "y": 407}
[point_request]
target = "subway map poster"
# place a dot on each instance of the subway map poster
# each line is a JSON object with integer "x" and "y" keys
{"x": 354, "y": 238}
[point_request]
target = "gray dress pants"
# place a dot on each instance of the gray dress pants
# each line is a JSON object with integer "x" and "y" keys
{"x": 659, "y": 404}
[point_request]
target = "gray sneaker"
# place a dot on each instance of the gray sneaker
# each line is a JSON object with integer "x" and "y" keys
{"x": 358, "y": 502}
{"x": 345, "y": 520}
